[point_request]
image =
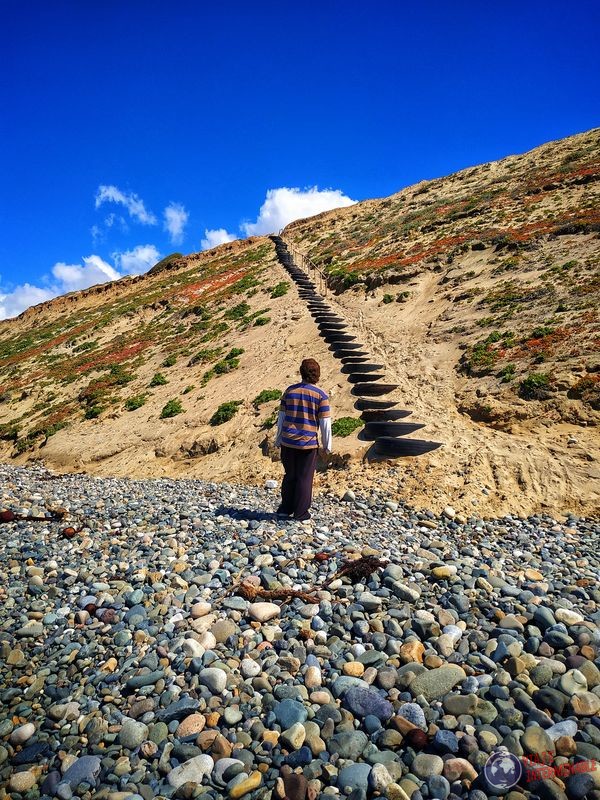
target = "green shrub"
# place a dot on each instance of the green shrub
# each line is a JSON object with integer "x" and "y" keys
{"x": 270, "y": 420}
{"x": 210, "y": 373}
{"x": 171, "y": 409}
{"x": 82, "y": 348}
{"x": 226, "y": 365}
{"x": 540, "y": 332}
{"x": 189, "y": 389}
{"x": 482, "y": 355}
{"x": 280, "y": 289}
{"x": 262, "y": 321}
{"x": 22, "y": 445}
{"x": 205, "y": 355}
{"x": 237, "y": 312}
{"x": 158, "y": 379}
{"x": 344, "y": 426}
{"x": 93, "y": 412}
{"x": 198, "y": 311}
{"x": 535, "y": 386}
{"x": 507, "y": 373}
{"x": 137, "y": 401}
{"x": 225, "y": 412}
{"x": 217, "y": 329}
{"x": 388, "y": 298}
{"x": 169, "y": 361}
{"x": 9, "y": 432}
{"x": 266, "y": 396}
{"x": 247, "y": 282}
{"x": 52, "y": 429}
{"x": 118, "y": 375}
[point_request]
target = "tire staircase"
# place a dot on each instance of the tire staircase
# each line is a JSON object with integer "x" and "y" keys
{"x": 381, "y": 417}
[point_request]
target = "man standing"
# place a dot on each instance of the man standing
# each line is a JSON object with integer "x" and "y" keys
{"x": 304, "y": 414}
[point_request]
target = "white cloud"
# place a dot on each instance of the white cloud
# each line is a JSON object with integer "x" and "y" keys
{"x": 134, "y": 204}
{"x": 138, "y": 260}
{"x": 73, "y": 277}
{"x": 176, "y": 218}
{"x": 284, "y": 205}
{"x": 215, "y": 237}
{"x": 12, "y": 303}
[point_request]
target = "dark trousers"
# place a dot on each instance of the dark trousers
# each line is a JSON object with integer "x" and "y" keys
{"x": 296, "y": 487}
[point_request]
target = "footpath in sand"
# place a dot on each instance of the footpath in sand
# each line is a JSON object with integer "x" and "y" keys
{"x": 184, "y": 643}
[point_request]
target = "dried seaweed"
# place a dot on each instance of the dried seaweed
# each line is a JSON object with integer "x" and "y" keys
{"x": 251, "y": 592}
{"x": 357, "y": 571}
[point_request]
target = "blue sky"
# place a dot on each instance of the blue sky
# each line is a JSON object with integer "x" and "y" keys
{"x": 117, "y": 112}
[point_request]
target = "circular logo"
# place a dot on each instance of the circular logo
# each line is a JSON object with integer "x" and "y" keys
{"x": 502, "y": 770}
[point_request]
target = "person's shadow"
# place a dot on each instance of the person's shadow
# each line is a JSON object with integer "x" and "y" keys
{"x": 245, "y": 513}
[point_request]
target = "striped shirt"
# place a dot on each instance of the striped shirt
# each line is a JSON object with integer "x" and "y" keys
{"x": 302, "y": 406}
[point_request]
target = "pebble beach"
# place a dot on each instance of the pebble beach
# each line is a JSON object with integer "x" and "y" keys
{"x": 132, "y": 668}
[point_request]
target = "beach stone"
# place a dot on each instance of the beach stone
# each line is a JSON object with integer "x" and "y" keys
{"x": 536, "y": 740}
{"x": 567, "y": 727}
{"x": 222, "y": 629}
{"x": 178, "y": 710}
{"x": 288, "y": 712}
{"x": 579, "y": 786}
{"x": 191, "y": 771}
{"x": 436, "y": 683}
{"x": 132, "y": 734}
{"x": 22, "y": 734}
{"x": 353, "y": 668}
{"x": 223, "y": 765}
{"x": 250, "y": 668}
{"x": 459, "y": 769}
{"x": 369, "y": 602}
{"x": 425, "y": 765}
{"x": 354, "y": 777}
{"x": 31, "y": 629}
{"x": 192, "y": 648}
{"x": 445, "y": 742}
{"x": 22, "y": 782}
{"x": 460, "y": 650}
{"x": 591, "y": 673}
{"x": 252, "y": 782}
{"x": 312, "y": 677}
{"x": 293, "y": 738}
{"x": 439, "y": 787}
{"x": 200, "y": 610}
{"x": 447, "y": 571}
{"x": 348, "y": 744}
{"x": 585, "y": 704}
{"x": 190, "y": 726}
{"x": 214, "y": 679}
{"x": 263, "y": 612}
{"x": 573, "y": 682}
{"x": 458, "y": 704}
{"x": 413, "y": 713}
{"x": 411, "y": 652}
{"x": 568, "y": 616}
{"x": 85, "y": 769}
{"x": 379, "y": 778}
{"x": 363, "y": 702}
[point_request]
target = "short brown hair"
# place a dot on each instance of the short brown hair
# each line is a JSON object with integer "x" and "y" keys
{"x": 310, "y": 371}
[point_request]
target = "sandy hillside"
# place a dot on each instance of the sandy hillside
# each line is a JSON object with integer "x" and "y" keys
{"x": 477, "y": 292}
